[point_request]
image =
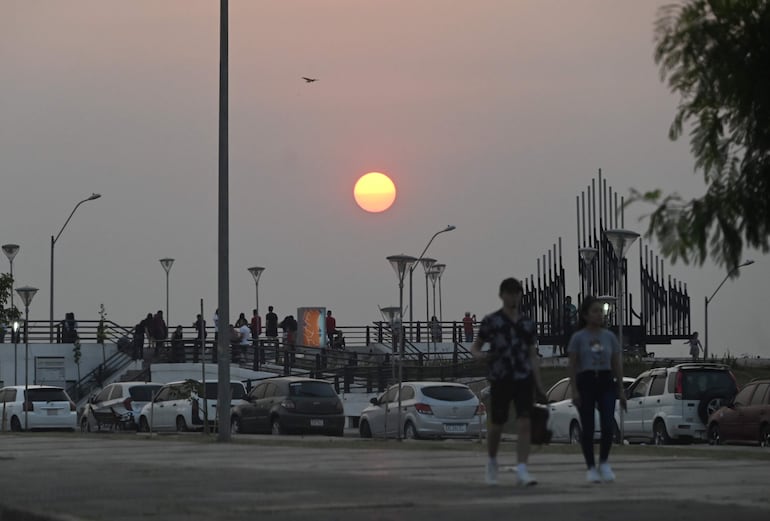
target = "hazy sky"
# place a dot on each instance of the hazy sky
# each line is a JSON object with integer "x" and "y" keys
{"x": 488, "y": 115}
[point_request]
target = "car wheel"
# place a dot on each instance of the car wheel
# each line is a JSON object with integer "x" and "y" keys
{"x": 181, "y": 425}
{"x": 764, "y": 436}
{"x": 144, "y": 425}
{"x": 714, "y": 437}
{"x": 709, "y": 406}
{"x": 660, "y": 434}
{"x": 235, "y": 425}
{"x": 364, "y": 430}
{"x": 575, "y": 433}
{"x": 15, "y": 424}
{"x": 85, "y": 425}
{"x": 276, "y": 429}
{"x": 410, "y": 433}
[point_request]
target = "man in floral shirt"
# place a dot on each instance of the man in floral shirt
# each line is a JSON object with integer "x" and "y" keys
{"x": 513, "y": 374}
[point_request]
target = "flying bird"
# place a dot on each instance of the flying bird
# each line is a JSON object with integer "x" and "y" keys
{"x": 309, "y": 80}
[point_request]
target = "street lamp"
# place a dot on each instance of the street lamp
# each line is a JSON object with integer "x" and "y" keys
{"x": 53, "y": 243}
{"x": 401, "y": 264}
{"x": 621, "y": 241}
{"x": 709, "y": 299}
{"x": 439, "y": 269}
{"x": 26, "y": 293}
{"x": 588, "y": 258}
{"x": 449, "y": 228}
{"x": 167, "y": 263}
{"x": 607, "y": 301}
{"x": 427, "y": 264}
{"x": 15, "y": 351}
{"x": 256, "y": 272}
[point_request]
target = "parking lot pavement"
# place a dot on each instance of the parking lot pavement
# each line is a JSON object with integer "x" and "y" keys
{"x": 176, "y": 478}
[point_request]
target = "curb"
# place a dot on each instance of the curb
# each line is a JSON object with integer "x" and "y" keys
{"x": 8, "y": 513}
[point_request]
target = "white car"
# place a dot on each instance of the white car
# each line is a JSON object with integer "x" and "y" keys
{"x": 40, "y": 407}
{"x": 117, "y": 406}
{"x": 428, "y": 410}
{"x": 179, "y": 406}
{"x": 675, "y": 403}
{"x": 564, "y": 418}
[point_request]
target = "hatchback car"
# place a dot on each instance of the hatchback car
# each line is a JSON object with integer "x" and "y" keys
{"x": 747, "y": 419}
{"x": 674, "y": 403}
{"x": 39, "y": 407}
{"x": 185, "y": 405}
{"x": 117, "y": 406}
{"x": 428, "y": 410}
{"x": 290, "y": 405}
{"x": 564, "y": 418}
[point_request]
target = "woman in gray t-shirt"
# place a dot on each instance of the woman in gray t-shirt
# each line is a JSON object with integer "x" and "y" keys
{"x": 597, "y": 381}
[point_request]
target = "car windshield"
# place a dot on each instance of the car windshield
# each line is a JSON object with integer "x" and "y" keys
{"x": 698, "y": 384}
{"x": 311, "y": 389}
{"x": 448, "y": 393}
{"x": 143, "y": 393}
{"x": 237, "y": 391}
{"x": 47, "y": 395}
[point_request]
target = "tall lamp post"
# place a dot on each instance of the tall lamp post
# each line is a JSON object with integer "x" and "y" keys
{"x": 256, "y": 272}
{"x": 709, "y": 299}
{"x": 449, "y": 228}
{"x": 53, "y": 243}
{"x": 26, "y": 293}
{"x": 434, "y": 275}
{"x": 427, "y": 264}
{"x": 167, "y": 263}
{"x": 401, "y": 264}
{"x": 223, "y": 233}
{"x": 15, "y": 352}
{"x": 621, "y": 241}
{"x": 439, "y": 268}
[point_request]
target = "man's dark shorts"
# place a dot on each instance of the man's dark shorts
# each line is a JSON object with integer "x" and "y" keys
{"x": 520, "y": 392}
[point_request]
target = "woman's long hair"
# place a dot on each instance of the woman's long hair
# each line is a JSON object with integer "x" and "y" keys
{"x": 585, "y": 307}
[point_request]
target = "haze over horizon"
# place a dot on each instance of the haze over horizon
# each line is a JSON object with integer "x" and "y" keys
{"x": 489, "y": 116}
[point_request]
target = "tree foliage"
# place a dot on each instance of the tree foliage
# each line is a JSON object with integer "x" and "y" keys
{"x": 715, "y": 54}
{"x": 7, "y": 313}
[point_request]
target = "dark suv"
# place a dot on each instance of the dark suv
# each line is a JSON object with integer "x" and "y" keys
{"x": 746, "y": 419}
{"x": 290, "y": 405}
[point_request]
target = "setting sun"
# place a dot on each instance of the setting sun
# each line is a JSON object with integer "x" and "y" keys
{"x": 374, "y": 192}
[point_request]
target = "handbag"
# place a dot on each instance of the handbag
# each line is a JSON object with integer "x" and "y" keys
{"x": 540, "y": 434}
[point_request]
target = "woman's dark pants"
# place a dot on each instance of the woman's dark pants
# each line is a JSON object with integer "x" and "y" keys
{"x": 597, "y": 391}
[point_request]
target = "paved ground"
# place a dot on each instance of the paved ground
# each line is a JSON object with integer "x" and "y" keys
{"x": 177, "y": 478}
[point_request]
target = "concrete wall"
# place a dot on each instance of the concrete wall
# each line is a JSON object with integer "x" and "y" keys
{"x": 49, "y": 354}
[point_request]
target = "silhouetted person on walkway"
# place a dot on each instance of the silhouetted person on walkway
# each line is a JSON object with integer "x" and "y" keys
{"x": 69, "y": 329}
{"x": 177, "y": 346}
{"x": 159, "y": 331}
{"x": 241, "y": 321}
{"x": 200, "y": 337}
{"x": 695, "y": 346}
{"x": 331, "y": 328}
{"x": 468, "y": 326}
{"x": 271, "y": 323}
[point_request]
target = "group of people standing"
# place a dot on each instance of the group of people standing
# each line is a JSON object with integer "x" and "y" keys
{"x": 513, "y": 371}
{"x": 152, "y": 332}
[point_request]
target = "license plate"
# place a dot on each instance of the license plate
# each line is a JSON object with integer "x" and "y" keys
{"x": 455, "y": 428}
{"x": 53, "y": 412}
{"x": 316, "y": 423}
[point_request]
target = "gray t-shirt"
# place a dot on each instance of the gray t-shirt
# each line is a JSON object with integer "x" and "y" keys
{"x": 594, "y": 349}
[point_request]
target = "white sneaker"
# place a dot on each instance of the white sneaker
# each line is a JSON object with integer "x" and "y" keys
{"x": 491, "y": 476}
{"x": 605, "y": 471}
{"x": 592, "y": 476}
{"x": 525, "y": 480}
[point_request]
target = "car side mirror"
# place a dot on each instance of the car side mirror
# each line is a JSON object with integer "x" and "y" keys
{"x": 374, "y": 401}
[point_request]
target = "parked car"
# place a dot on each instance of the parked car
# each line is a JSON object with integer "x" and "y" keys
{"x": 747, "y": 419}
{"x": 180, "y": 406}
{"x": 674, "y": 403}
{"x": 290, "y": 405}
{"x": 117, "y": 406}
{"x": 39, "y": 407}
{"x": 428, "y": 410}
{"x": 564, "y": 418}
